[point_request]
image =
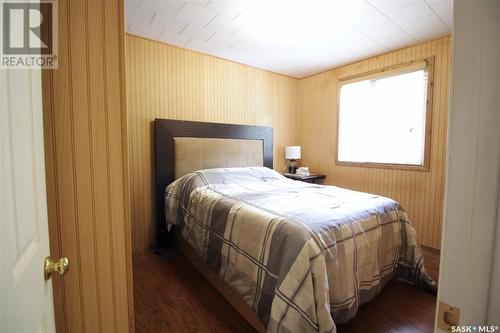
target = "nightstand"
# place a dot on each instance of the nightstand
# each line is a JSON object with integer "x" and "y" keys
{"x": 312, "y": 178}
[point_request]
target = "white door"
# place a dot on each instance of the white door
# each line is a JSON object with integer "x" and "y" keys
{"x": 26, "y": 297}
{"x": 470, "y": 253}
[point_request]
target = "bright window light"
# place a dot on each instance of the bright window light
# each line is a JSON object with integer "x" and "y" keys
{"x": 382, "y": 119}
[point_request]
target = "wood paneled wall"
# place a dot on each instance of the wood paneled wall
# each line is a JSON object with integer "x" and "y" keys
{"x": 168, "y": 82}
{"x": 164, "y": 81}
{"x": 86, "y": 166}
{"x": 420, "y": 193}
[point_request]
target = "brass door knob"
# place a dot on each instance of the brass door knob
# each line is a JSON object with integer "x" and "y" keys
{"x": 50, "y": 266}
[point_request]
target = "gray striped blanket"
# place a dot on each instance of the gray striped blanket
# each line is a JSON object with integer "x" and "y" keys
{"x": 302, "y": 256}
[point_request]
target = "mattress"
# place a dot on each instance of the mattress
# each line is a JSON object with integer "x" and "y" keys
{"x": 302, "y": 256}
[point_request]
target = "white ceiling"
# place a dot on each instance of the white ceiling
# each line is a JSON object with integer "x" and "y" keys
{"x": 293, "y": 37}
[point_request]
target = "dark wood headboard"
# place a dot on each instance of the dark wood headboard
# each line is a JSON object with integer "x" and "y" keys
{"x": 165, "y": 132}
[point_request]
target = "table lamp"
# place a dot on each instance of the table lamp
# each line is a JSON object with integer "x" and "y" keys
{"x": 292, "y": 153}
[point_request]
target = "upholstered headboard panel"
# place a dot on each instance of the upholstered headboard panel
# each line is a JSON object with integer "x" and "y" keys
{"x": 193, "y": 154}
{"x": 185, "y": 146}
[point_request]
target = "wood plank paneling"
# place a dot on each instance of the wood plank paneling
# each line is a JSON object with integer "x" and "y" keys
{"x": 168, "y": 82}
{"x": 164, "y": 81}
{"x": 420, "y": 193}
{"x": 87, "y": 187}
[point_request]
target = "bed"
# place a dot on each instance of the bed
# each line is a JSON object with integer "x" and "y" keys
{"x": 290, "y": 256}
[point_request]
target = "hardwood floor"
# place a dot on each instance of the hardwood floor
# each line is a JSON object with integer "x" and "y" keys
{"x": 171, "y": 296}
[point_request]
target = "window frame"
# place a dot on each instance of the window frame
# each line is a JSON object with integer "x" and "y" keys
{"x": 402, "y": 68}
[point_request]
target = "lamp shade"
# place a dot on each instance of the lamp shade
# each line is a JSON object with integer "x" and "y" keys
{"x": 292, "y": 152}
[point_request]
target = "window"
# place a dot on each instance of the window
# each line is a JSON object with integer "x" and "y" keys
{"x": 384, "y": 118}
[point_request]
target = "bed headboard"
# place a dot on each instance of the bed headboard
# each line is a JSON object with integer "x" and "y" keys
{"x": 203, "y": 145}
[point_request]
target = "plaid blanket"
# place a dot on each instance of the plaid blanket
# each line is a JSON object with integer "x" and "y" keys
{"x": 302, "y": 256}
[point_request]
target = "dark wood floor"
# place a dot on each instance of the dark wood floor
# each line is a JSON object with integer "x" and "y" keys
{"x": 171, "y": 296}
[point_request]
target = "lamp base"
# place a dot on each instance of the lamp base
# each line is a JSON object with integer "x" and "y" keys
{"x": 292, "y": 168}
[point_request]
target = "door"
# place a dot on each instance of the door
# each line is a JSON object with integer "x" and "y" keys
{"x": 470, "y": 253}
{"x": 26, "y": 297}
